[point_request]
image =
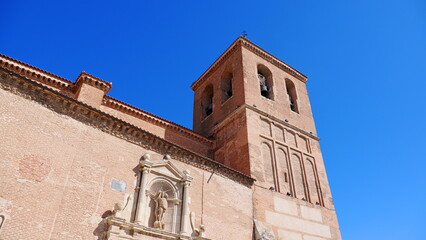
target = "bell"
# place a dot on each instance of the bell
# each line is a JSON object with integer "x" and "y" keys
{"x": 209, "y": 109}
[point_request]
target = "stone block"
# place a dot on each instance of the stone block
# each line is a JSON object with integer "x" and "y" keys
{"x": 297, "y": 224}
{"x": 285, "y": 206}
{"x": 307, "y": 237}
{"x": 286, "y": 235}
{"x": 311, "y": 213}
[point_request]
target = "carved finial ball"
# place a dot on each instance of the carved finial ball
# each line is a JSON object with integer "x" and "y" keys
{"x": 167, "y": 157}
{"x": 118, "y": 207}
{"x": 146, "y": 156}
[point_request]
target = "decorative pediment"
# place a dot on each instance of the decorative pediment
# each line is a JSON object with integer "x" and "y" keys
{"x": 165, "y": 168}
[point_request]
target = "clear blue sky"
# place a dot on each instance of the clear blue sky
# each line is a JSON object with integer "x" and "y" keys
{"x": 365, "y": 61}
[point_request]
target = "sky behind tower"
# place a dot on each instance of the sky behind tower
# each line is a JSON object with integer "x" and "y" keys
{"x": 365, "y": 61}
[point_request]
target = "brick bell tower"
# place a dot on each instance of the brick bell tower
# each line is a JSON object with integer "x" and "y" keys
{"x": 257, "y": 109}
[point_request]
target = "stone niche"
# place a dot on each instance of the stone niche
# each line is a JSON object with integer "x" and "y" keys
{"x": 164, "y": 206}
{"x": 161, "y": 205}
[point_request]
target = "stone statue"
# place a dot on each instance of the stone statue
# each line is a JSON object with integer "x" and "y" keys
{"x": 198, "y": 232}
{"x": 119, "y": 208}
{"x": 161, "y": 206}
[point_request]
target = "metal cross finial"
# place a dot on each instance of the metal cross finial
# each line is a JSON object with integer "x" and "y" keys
{"x": 244, "y": 33}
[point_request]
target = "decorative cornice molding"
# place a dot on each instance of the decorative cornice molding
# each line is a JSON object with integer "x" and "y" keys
{"x": 35, "y": 73}
{"x": 244, "y": 42}
{"x": 282, "y": 122}
{"x": 149, "y": 117}
{"x": 123, "y": 225}
{"x": 264, "y": 114}
{"x": 93, "y": 81}
{"x": 222, "y": 58}
{"x": 69, "y": 88}
{"x": 272, "y": 59}
{"x": 88, "y": 115}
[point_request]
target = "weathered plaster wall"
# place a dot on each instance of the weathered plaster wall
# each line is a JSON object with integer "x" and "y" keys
{"x": 57, "y": 172}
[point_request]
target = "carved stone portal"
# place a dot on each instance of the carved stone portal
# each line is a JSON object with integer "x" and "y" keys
{"x": 161, "y": 207}
{"x": 163, "y": 196}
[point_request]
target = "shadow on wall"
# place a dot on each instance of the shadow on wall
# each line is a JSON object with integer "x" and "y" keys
{"x": 102, "y": 227}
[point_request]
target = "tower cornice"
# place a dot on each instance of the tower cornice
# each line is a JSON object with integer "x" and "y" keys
{"x": 244, "y": 42}
{"x": 266, "y": 115}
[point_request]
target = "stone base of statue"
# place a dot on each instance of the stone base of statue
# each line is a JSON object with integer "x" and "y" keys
{"x": 158, "y": 224}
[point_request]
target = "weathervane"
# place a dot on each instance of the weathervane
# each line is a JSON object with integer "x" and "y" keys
{"x": 244, "y": 33}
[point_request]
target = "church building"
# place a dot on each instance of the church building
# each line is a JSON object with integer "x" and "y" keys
{"x": 77, "y": 163}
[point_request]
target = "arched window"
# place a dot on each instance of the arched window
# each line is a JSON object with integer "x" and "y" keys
{"x": 265, "y": 81}
{"x": 292, "y": 96}
{"x": 207, "y": 101}
{"x": 226, "y": 85}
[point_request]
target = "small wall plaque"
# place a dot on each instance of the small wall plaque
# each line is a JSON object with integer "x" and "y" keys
{"x": 118, "y": 185}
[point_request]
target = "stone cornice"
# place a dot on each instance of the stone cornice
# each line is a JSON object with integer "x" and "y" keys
{"x": 124, "y": 225}
{"x": 264, "y": 114}
{"x": 68, "y": 88}
{"x": 244, "y": 42}
{"x": 282, "y": 122}
{"x": 35, "y": 73}
{"x": 149, "y": 117}
{"x": 222, "y": 58}
{"x": 272, "y": 59}
{"x": 93, "y": 81}
{"x": 88, "y": 115}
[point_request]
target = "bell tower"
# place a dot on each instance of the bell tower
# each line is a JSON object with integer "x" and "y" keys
{"x": 257, "y": 109}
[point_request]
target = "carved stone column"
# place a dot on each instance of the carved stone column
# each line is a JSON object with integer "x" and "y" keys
{"x": 185, "y": 208}
{"x": 145, "y": 169}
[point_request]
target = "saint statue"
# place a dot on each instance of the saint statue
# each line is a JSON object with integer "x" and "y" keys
{"x": 161, "y": 206}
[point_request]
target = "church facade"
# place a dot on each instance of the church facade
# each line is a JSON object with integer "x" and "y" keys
{"x": 77, "y": 163}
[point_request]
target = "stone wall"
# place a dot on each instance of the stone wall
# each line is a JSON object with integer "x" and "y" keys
{"x": 75, "y": 161}
{"x": 57, "y": 174}
{"x": 291, "y": 192}
{"x": 294, "y": 219}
